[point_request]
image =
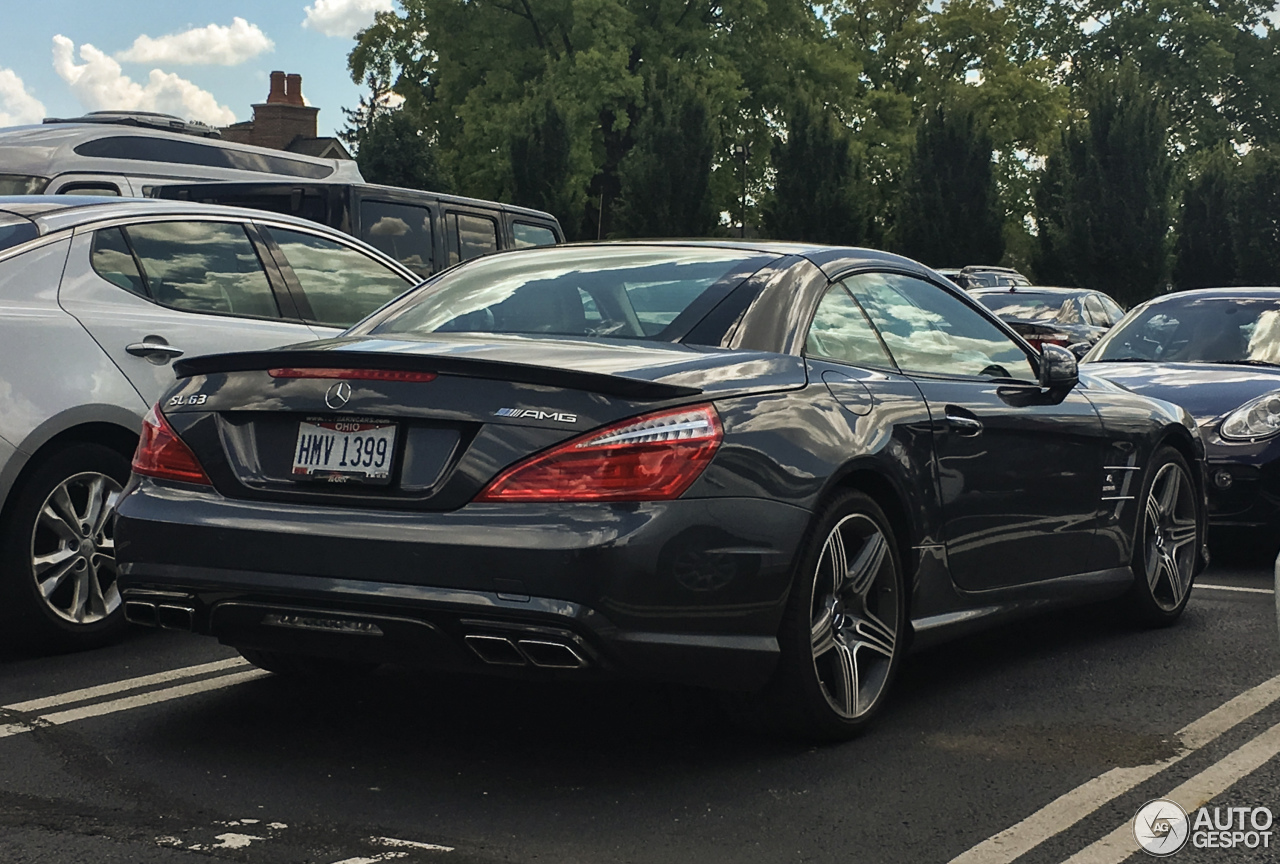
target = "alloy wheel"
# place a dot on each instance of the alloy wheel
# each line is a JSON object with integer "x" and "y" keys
{"x": 1169, "y": 535}
{"x": 73, "y": 553}
{"x": 854, "y": 616}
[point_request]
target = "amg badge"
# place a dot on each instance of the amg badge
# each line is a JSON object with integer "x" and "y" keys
{"x": 533, "y": 413}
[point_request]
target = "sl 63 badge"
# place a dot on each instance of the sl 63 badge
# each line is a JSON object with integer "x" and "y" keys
{"x": 198, "y": 399}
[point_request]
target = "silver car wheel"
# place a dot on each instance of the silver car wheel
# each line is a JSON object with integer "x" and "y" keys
{"x": 1169, "y": 536}
{"x": 854, "y": 616}
{"x": 73, "y": 551}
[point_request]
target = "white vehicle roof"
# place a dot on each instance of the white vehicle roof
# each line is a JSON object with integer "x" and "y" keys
{"x": 53, "y": 149}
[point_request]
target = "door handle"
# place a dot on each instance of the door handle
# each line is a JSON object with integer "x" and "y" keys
{"x": 154, "y": 350}
{"x": 966, "y": 426}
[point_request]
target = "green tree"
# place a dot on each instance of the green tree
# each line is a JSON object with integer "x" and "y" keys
{"x": 541, "y": 170}
{"x": 818, "y": 193}
{"x": 1214, "y": 62}
{"x": 1106, "y": 211}
{"x": 666, "y": 176}
{"x": 950, "y": 211}
{"x": 390, "y": 149}
{"x": 1204, "y": 253}
{"x": 1257, "y": 222}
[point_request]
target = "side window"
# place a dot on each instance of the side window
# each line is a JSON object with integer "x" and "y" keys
{"x": 203, "y": 267}
{"x": 471, "y": 236}
{"x": 927, "y": 329}
{"x": 1096, "y": 314}
{"x": 342, "y": 284}
{"x": 113, "y": 261}
{"x": 532, "y": 235}
{"x": 400, "y": 231}
{"x": 840, "y": 332}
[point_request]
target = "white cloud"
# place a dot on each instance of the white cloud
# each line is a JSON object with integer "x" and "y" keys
{"x": 17, "y": 106}
{"x": 343, "y": 17}
{"x": 212, "y": 45}
{"x": 100, "y": 84}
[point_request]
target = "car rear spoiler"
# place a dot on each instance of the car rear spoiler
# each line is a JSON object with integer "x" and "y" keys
{"x": 467, "y": 367}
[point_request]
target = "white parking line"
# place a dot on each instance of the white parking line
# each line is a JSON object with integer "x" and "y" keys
{"x": 1237, "y": 588}
{"x": 122, "y": 686}
{"x": 1060, "y": 814}
{"x": 1195, "y": 793}
{"x": 127, "y": 703}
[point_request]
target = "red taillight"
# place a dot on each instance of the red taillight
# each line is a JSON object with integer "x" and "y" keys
{"x": 651, "y": 458}
{"x": 352, "y": 374}
{"x": 161, "y": 453}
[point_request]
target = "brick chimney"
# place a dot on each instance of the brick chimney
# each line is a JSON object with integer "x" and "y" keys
{"x": 278, "y": 96}
{"x": 293, "y": 89}
{"x": 279, "y": 121}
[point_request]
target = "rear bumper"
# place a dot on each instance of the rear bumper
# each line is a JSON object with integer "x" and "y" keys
{"x": 690, "y": 591}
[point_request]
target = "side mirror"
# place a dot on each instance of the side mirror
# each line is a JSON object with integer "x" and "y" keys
{"x": 1058, "y": 370}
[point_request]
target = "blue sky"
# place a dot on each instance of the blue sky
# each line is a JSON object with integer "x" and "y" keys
{"x": 200, "y": 59}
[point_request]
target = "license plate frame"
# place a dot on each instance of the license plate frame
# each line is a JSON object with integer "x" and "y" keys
{"x": 329, "y": 452}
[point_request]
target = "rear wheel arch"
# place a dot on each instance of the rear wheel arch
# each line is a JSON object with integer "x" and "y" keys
{"x": 891, "y": 500}
{"x": 119, "y": 438}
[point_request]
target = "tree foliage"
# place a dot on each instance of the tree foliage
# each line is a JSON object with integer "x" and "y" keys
{"x": 950, "y": 211}
{"x": 665, "y": 179}
{"x": 1205, "y": 253}
{"x": 542, "y": 171}
{"x": 558, "y": 103}
{"x": 1105, "y": 209}
{"x": 1257, "y": 219}
{"x": 818, "y": 193}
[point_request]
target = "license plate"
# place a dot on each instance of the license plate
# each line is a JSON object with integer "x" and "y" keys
{"x": 341, "y": 450}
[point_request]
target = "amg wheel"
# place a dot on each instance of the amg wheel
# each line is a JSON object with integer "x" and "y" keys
{"x": 842, "y": 637}
{"x": 1167, "y": 544}
{"x": 57, "y": 552}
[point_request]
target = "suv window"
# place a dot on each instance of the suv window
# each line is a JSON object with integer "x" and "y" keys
{"x": 400, "y": 231}
{"x": 525, "y": 234}
{"x": 841, "y": 332}
{"x": 471, "y": 236}
{"x": 341, "y": 284}
{"x": 203, "y": 267}
{"x": 927, "y": 329}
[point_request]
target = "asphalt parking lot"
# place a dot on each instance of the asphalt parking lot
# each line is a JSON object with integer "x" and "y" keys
{"x": 1030, "y": 743}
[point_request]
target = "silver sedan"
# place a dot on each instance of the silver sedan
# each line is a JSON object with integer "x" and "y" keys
{"x": 97, "y": 297}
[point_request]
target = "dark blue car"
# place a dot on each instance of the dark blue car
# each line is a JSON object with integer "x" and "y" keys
{"x": 1216, "y": 352}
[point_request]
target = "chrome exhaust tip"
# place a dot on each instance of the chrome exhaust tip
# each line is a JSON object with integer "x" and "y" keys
{"x": 495, "y": 650}
{"x": 176, "y": 617}
{"x": 551, "y": 655}
{"x": 138, "y": 612}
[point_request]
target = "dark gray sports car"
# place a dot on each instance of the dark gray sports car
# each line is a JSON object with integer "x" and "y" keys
{"x": 758, "y": 467}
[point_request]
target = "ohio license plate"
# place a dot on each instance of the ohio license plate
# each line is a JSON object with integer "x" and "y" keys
{"x": 341, "y": 450}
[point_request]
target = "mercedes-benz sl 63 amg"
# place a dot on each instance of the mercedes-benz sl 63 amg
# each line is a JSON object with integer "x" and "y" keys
{"x": 755, "y": 467}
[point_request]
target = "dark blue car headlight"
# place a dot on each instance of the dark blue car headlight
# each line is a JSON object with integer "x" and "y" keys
{"x": 1257, "y": 418}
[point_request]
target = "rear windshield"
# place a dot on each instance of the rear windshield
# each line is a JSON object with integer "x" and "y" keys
{"x": 654, "y": 293}
{"x": 1044, "y": 308}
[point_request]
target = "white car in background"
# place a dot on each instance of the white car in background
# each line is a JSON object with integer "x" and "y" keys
{"x": 97, "y": 297}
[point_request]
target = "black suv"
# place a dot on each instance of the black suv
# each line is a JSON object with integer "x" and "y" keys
{"x": 424, "y": 231}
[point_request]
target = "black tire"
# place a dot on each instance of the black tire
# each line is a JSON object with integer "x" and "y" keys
{"x": 1166, "y": 542}
{"x": 306, "y": 666}
{"x": 74, "y": 564}
{"x": 841, "y": 640}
